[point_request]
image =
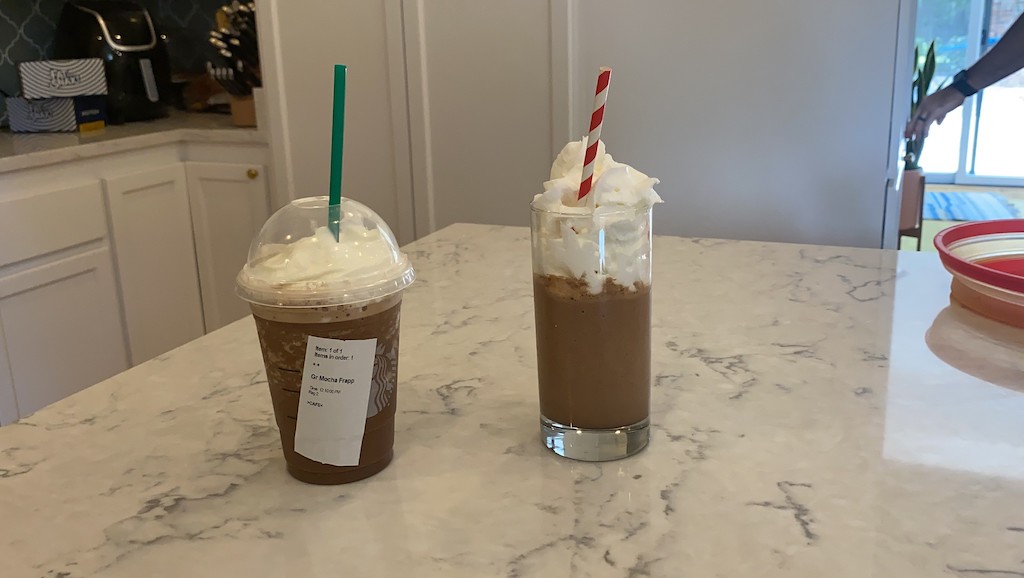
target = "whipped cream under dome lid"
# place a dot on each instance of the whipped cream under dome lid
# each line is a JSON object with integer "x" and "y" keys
{"x": 295, "y": 260}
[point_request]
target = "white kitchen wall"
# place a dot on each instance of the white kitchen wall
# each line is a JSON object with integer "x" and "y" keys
{"x": 768, "y": 121}
{"x": 480, "y": 88}
{"x": 301, "y": 41}
{"x": 764, "y": 120}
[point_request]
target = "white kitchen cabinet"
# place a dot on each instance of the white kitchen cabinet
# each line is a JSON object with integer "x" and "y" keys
{"x": 98, "y": 258}
{"x": 61, "y": 328}
{"x": 156, "y": 259}
{"x": 229, "y": 205}
{"x": 8, "y": 399}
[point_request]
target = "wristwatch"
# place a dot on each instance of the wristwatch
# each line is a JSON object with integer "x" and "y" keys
{"x": 960, "y": 83}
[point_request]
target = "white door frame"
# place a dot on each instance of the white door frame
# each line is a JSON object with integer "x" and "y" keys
{"x": 902, "y": 72}
{"x": 421, "y": 159}
{"x": 564, "y": 46}
{"x": 409, "y": 226}
{"x": 282, "y": 187}
{"x": 417, "y": 129}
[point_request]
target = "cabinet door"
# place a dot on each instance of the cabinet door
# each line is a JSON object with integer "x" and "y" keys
{"x": 8, "y": 399}
{"x": 156, "y": 260}
{"x": 229, "y": 206}
{"x": 61, "y": 328}
{"x": 75, "y": 217}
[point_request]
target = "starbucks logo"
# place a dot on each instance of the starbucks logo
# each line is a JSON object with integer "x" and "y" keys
{"x": 382, "y": 385}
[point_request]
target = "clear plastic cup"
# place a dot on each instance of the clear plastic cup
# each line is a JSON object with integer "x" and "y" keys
{"x": 327, "y": 312}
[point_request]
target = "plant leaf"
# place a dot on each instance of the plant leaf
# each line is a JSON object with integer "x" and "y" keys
{"x": 923, "y": 72}
{"x": 929, "y": 67}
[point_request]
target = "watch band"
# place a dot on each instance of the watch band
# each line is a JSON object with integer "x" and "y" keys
{"x": 960, "y": 83}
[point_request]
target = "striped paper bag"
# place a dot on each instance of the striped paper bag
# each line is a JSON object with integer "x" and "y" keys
{"x": 62, "y": 78}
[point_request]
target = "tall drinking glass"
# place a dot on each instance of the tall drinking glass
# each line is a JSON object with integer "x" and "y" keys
{"x": 592, "y": 301}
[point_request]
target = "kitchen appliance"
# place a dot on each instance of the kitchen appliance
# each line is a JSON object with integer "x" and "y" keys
{"x": 123, "y": 35}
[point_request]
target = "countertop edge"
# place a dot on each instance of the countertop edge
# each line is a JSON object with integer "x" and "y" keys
{"x": 31, "y": 160}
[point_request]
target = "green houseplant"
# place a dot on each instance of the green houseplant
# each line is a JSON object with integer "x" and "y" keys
{"x": 912, "y": 188}
{"x": 924, "y": 70}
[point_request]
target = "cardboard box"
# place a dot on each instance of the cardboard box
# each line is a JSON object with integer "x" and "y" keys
{"x": 62, "y": 78}
{"x": 243, "y": 111}
{"x": 83, "y": 113}
{"x": 91, "y": 112}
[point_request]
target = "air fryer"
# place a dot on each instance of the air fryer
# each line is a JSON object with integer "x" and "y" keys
{"x": 133, "y": 51}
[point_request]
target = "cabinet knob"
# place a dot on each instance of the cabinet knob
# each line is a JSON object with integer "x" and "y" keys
{"x": 252, "y": 173}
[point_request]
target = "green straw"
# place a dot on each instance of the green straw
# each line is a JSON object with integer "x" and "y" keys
{"x": 337, "y": 147}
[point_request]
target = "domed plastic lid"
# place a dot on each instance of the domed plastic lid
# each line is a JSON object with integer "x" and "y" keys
{"x": 295, "y": 260}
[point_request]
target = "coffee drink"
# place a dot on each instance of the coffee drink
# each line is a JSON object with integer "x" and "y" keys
{"x": 592, "y": 305}
{"x": 326, "y": 298}
{"x": 593, "y": 352}
{"x": 283, "y": 336}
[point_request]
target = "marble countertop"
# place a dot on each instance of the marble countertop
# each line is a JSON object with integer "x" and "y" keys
{"x": 817, "y": 412}
{"x": 28, "y": 150}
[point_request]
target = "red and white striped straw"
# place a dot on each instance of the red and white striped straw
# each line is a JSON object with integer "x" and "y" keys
{"x": 604, "y": 75}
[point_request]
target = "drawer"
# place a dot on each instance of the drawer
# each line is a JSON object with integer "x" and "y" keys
{"x": 61, "y": 331}
{"x": 51, "y": 221}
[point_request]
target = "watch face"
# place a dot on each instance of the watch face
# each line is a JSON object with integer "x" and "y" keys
{"x": 961, "y": 84}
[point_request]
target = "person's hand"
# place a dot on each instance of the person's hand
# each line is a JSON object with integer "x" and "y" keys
{"x": 933, "y": 108}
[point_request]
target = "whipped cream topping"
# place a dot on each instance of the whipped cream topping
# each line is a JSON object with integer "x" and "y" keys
{"x": 616, "y": 185}
{"x": 318, "y": 265}
{"x": 604, "y": 236}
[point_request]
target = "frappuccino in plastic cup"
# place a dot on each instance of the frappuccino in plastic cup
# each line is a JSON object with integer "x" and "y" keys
{"x": 327, "y": 310}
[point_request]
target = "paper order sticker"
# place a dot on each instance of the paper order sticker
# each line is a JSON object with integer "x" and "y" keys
{"x": 332, "y": 404}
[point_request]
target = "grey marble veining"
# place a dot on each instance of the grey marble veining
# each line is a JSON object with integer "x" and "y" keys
{"x": 817, "y": 412}
{"x": 28, "y": 150}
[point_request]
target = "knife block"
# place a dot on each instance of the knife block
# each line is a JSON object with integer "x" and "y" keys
{"x": 243, "y": 111}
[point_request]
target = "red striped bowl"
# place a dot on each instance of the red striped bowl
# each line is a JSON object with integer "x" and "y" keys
{"x": 986, "y": 259}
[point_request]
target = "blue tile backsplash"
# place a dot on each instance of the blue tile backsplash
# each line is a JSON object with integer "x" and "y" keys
{"x": 27, "y": 29}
